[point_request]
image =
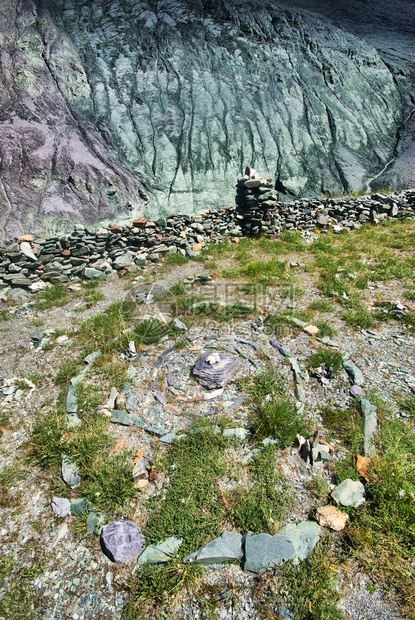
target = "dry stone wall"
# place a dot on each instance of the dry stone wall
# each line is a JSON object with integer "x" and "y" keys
{"x": 30, "y": 262}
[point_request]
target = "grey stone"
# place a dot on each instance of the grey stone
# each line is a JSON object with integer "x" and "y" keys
{"x": 349, "y": 493}
{"x": 90, "y": 272}
{"x": 370, "y": 423}
{"x": 226, "y": 548}
{"x": 355, "y": 374}
{"x": 72, "y": 420}
{"x": 356, "y": 391}
{"x": 95, "y": 522}
{"x": 263, "y": 551}
{"x": 161, "y": 553}
{"x": 71, "y": 405}
{"x": 70, "y": 472}
{"x": 26, "y": 249}
{"x": 81, "y": 507}
{"x": 122, "y": 541}
{"x": 61, "y": 506}
{"x": 123, "y": 261}
{"x": 239, "y": 433}
{"x": 303, "y": 536}
{"x": 139, "y": 471}
{"x": 90, "y": 359}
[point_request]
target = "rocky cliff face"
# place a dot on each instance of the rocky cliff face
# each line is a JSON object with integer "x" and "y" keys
{"x": 55, "y": 169}
{"x": 181, "y": 95}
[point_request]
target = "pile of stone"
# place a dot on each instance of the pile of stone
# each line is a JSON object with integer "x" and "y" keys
{"x": 258, "y": 203}
{"x": 30, "y": 263}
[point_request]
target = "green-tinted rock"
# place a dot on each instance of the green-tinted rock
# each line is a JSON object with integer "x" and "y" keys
{"x": 349, "y": 493}
{"x": 263, "y": 551}
{"x": 303, "y": 536}
{"x": 160, "y": 553}
{"x": 226, "y": 548}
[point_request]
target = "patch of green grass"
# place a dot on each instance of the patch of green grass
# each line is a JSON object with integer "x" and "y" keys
{"x": 273, "y": 415}
{"x": 191, "y": 507}
{"x": 409, "y": 295}
{"x": 292, "y": 292}
{"x": 92, "y": 297}
{"x": 222, "y": 313}
{"x": 22, "y": 384}
{"x": 36, "y": 378}
{"x": 5, "y": 315}
{"x": 311, "y": 586}
{"x": 346, "y": 425}
{"x": 11, "y": 474}
{"x": 46, "y": 444}
{"x": 321, "y": 305}
{"x": 328, "y": 357}
{"x": 155, "y": 587}
{"x": 52, "y": 296}
{"x": 262, "y": 271}
{"x": 262, "y": 507}
{"x": 382, "y": 531}
{"x": 176, "y": 259}
{"x": 17, "y": 600}
{"x": 103, "y": 331}
{"x": 360, "y": 318}
{"x": 319, "y": 487}
{"x": 325, "y": 329}
{"x": 67, "y": 370}
{"x": 110, "y": 484}
{"x": 4, "y": 422}
{"x": 408, "y": 405}
{"x": 113, "y": 373}
{"x": 151, "y": 331}
{"x": 178, "y": 289}
{"x": 253, "y": 288}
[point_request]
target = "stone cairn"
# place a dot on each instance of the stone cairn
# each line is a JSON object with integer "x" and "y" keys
{"x": 30, "y": 263}
{"x": 258, "y": 203}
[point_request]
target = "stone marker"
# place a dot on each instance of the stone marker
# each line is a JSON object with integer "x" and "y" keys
{"x": 122, "y": 541}
{"x": 349, "y": 493}
{"x": 226, "y": 548}
{"x": 263, "y": 551}
{"x": 215, "y": 370}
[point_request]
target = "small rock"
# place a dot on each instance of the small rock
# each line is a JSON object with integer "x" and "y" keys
{"x": 122, "y": 541}
{"x": 160, "y": 553}
{"x": 239, "y": 433}
{"x": 355, "y": 374}
{"x": 95, "y": 522}
{"x": 356, "y": 391}
{"x": 349, "y": 493}
{"x": 303, "y": 536}
{"x": 226, "y": 548}
{"x": 215, "y": 370}
{"x": 70, "y": 473}
{"x": 332, "y": 517}
{"x": 61, "y": 506}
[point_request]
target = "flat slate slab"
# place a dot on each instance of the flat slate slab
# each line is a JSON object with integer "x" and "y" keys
{"x": 160, "y": 553}
{"x": 215, "y": 369}
{"x": 263, "y": 551}
{"x": 70, "y": 472}
{"x": 303, "y": 536}
{"x": 226, "y": 548}
{"x": 122, "y": 541}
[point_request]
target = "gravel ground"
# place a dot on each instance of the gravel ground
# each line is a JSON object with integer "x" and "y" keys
{"x": 76, "y": 580}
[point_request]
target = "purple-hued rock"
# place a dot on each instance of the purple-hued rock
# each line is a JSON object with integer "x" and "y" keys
{"x": 170, "y": 379}
{"x": 122, "y": 541}
{"x": 160, "y": 397}
{"x": 356, "y": 391}
{"x": 215, "y": 370}
{"x": 61, "y": 506}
